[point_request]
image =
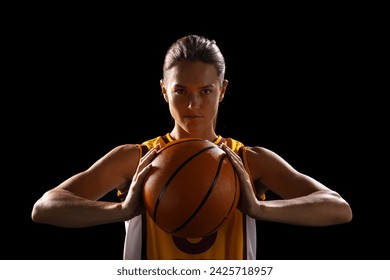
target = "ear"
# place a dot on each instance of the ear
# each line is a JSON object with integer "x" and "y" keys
{"x": 223, "y": 90}
{"x": 164, "y": 90}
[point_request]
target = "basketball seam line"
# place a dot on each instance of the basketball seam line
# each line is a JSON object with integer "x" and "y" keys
{"x": 231, "y": 207}
{"x": 171, "y": 178}
{"x": 205, "y": 198}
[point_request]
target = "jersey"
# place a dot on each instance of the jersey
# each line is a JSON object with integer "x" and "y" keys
{"x": 235, "y": 240}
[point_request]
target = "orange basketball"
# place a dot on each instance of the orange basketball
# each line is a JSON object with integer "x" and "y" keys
{"x": 192, "y": 188}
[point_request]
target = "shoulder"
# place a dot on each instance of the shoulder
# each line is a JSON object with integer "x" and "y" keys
{"x": 257, "y": 152}
{"x": 262, "y": 155}
{"x": 120, "y": 161}
{"x": 264, "y": 162}
{"x": 124, "y": 151}
{"x": 133, "y": 151}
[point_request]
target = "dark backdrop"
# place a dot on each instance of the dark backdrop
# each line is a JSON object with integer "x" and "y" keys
{"x": 80, "y": 87}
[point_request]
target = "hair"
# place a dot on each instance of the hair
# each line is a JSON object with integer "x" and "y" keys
{"x": 195, "y": 48}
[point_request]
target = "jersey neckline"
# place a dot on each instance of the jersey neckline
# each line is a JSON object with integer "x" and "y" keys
{"x": 216, "y": 141}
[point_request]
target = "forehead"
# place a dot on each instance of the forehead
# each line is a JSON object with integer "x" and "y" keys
{"x": 187, "y": 72}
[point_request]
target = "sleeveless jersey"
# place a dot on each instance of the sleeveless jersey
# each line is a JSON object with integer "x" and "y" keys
{"x": 235, "y": 240}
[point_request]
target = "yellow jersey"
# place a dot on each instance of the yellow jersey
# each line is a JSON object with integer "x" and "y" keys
{"x": 234, "y": 240}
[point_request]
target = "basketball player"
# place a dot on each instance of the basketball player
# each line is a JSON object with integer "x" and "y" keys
{"x": 193, "y": 85}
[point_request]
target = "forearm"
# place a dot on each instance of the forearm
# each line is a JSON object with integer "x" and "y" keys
{"x": 317, "y": 209}
{"x": 62, "y": 208}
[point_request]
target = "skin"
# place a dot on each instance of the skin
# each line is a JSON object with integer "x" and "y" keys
{"x": 193, "y": 92}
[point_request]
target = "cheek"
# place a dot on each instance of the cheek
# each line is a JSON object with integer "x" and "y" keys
{"x": 216, "y": 108}
{"x": 175, "y": 105}
{"x": 214, "y": 103}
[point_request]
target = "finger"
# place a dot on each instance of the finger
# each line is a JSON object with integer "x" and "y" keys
{"x": 235, "y": 159}
{"x": 230, "y": 152}
{"x": 152, "y": 151}
{"x": 149, "y": 156}
{"x": 238, "y": 165}
{"x": 142, "y": 174}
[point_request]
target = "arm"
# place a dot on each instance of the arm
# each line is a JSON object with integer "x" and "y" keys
{"x": 75, "y": 202}
{"x": 305, "y": 201}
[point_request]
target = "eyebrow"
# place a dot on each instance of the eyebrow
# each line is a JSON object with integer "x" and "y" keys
{"x": 206, "y": 86}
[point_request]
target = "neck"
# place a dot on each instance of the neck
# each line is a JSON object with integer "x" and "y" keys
{"x": 178, "y": 134}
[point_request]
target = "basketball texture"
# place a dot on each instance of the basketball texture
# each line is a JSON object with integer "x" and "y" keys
{"x": 192, "y": 188}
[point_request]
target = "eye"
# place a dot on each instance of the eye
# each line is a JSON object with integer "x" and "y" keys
{"x": 206, "y": 91}
{"x": 180, "y": 91}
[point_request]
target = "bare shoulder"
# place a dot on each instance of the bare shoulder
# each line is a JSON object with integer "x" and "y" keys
{"x": 271, "y": 170}
{"x": 265, "y": 163}
{"x": 124, "y": 151}
{"x": 259, "y": 151}
{"x": 263, "y": 156}
{"x": 122, "y": 159}
{"x": 113, "y": 170}
{"x": 119, "y": 153}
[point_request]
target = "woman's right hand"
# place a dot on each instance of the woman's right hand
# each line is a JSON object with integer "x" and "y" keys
{"x": 133, "y": 204}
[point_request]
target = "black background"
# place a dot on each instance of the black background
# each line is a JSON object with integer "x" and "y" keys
{"x": 79, "y": 84}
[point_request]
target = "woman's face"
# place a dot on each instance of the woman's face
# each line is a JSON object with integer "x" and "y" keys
{"x": 193, "y": 91}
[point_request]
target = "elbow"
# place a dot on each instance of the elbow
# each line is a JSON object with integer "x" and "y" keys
{"x": 338, "y": 210}
{"x": 35, "y": 213}
{"x": 344, "y": 212}
{"x": 40, "y": 209}
{"x": 347, "y": 212}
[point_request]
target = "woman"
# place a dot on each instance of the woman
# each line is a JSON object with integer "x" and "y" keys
{"x": 193, "y": 85}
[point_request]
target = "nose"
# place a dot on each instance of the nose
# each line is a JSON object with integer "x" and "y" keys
{"x": 194, "y": 101}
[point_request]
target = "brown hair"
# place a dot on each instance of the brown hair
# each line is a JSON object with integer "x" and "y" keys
{"x": 195, "y": 48}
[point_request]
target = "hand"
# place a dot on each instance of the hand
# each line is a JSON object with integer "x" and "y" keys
{"x": 133, "y": 203}
{"x": 248, "y": 198}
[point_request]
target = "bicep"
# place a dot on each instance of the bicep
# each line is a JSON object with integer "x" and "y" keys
{"x": 278, "y": 176}
{"x": 114, "y": 170}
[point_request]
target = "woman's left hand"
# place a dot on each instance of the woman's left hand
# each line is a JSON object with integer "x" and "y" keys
{"x": 248, "y": 200}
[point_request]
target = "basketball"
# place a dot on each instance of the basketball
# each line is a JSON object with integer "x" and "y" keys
{"x": 191, "y": 189}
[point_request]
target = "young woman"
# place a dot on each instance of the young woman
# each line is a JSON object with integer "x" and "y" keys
{"x": 193, "y": 85}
